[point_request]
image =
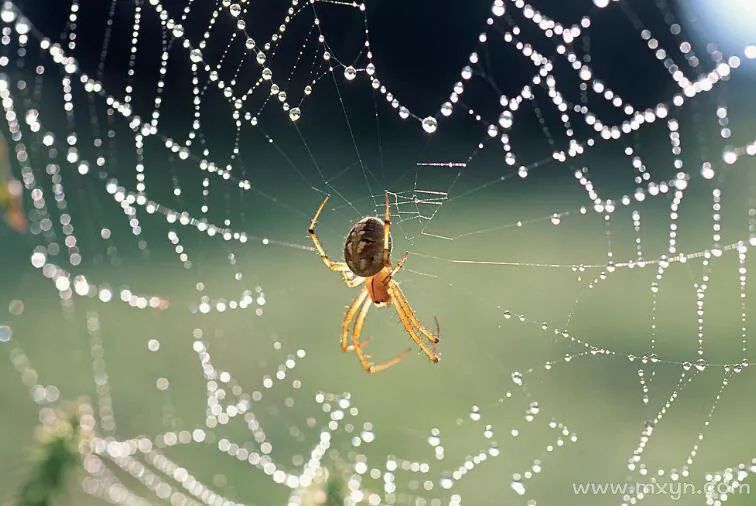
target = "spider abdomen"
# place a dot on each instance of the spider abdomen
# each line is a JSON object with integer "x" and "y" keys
{"x": 363, "y": 248}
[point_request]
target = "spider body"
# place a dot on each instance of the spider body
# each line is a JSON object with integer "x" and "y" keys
{"x": 363, "y": 248}
{"x": 366, "y": 253}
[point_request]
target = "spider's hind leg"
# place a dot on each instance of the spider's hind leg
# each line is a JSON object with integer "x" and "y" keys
{"x": 397, "y": 293}
{"x": 408, "y": 325}
{"x": 349, "y": 316}
{"x": 358, "y": 347}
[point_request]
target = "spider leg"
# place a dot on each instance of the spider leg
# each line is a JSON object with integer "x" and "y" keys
{"x": 334, "y": 266}
{"x": 386, "y": 365}
{"x": 356, "y": 335}
{"x": 408, "y": 326}
{"x": 349, "y": 316}
{"x": 386, "y": 233}
{"x": 397, "y": 293}
{"x": 400, "y": 264}
{"x": 349, "y": 278}
{"x": 369, "y": 367}
{"x": 354, "y": 281}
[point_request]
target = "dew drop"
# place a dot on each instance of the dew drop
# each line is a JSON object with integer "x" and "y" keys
{"x": 505, "y": 119}
{"x": 195, "y": 55}
{"x": 5, "y": 333}
{"x": 350, "y": 73}
{"x": 517, "y": 378}
{"x": 295, "y": 114}
{"x": 430, "y": 124}
{"x": 38, "y": 259}
{"x": 475, "y": 413}
{"x": 518, "y": 487}
{"x": 701, "y": 364}
{"x": 16, "y": 307}
{"x": 235, "y": 10}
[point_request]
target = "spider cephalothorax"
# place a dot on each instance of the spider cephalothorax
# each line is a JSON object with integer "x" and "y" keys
{"x": 366, "y": 251}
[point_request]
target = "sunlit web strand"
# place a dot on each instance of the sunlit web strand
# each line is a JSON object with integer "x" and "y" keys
{"x": 681, "y": 258}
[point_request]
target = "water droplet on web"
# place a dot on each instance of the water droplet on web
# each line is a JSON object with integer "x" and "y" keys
{"x": 430, "y": 124}
{"x": 498, "y": 8}
{"x": 505, "y": 119}
{"x": 38, "y": 259}
{"x": 195, "y": 55}
{"x": 350, "y": 73}
{"x": 475, "y": 413}
{"x": 446, "y": 108}
{"x": 295, "y": 114}
{"x": 404, "y": 112}
{"x": 307, "y": 89}
{"x": 8, "y": 15}
{"x": 16, "y": 307}
{"x": 235, "y": 10}
{"x": 267, "y": 73}
{"x": 5, "y": 333}
{"x": 507, "y": 314}
{"x": 517, "y": 378}
{"x": 701, "y": 364}
{"x": 261, "y": 58}
{"x": 555, "y": 219}
{"x": 517, "y": 486}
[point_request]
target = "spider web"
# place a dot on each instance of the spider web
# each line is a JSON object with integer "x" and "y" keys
{"x": 579, "y": 214}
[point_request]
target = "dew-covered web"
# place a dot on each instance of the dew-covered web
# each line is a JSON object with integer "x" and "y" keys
{"x": 578, "y": 212}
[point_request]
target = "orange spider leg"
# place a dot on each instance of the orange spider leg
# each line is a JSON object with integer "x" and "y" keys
{"x": 350, "y": 316}
{"x": 397, "y": 293}
{"x": 386, "y": 233}
{"x": 386, "y": 365}
{"x": 340, "y": 267}
{"x": 400, "y": 264}
{"x": 408, "y": 326}
{"x": 359, "y": 323}
{"x": 356, "y": 335}
{"x": 351, "y": 283}
{"x": 334, "y": 266}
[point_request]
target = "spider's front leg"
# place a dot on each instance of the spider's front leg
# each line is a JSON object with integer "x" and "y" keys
{"x": 334, "y": 266}
{"x": 340, "y": 267}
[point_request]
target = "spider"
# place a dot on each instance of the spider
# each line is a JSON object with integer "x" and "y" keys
{"x": 366, "y": 254}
